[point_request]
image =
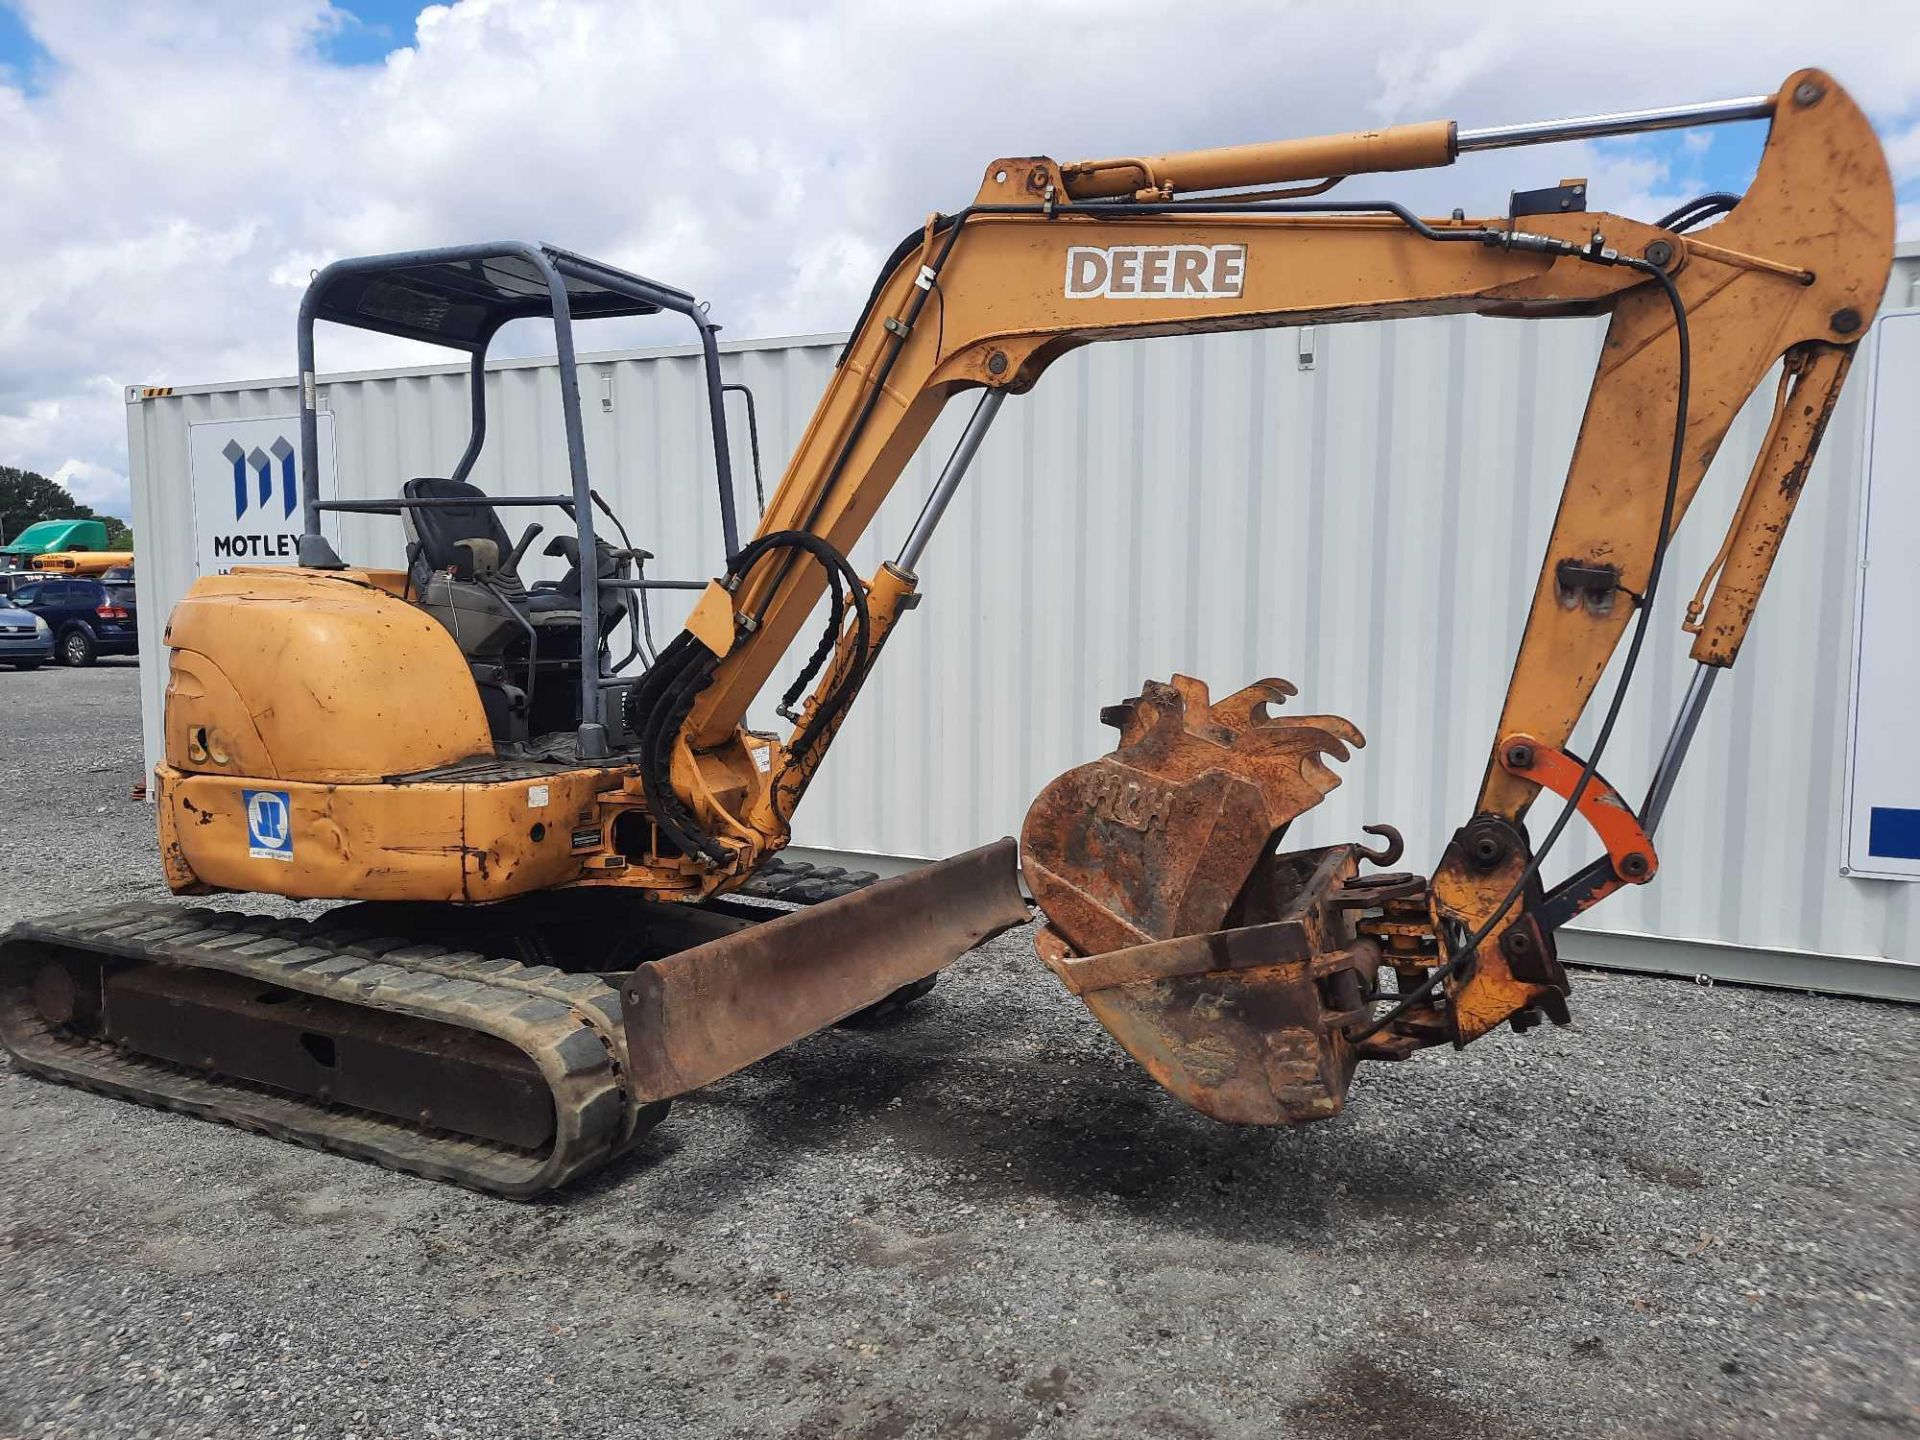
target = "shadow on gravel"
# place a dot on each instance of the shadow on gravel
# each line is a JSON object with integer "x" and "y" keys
{"x": 817, "y": 1094}
{"x": 1082, "y": 1131}
{"x": 1357, "y": 1399}
{"x": 1091, "y": 1143}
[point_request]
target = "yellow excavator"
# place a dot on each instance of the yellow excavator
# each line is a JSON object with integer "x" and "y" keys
{"x": 546, "y": 827}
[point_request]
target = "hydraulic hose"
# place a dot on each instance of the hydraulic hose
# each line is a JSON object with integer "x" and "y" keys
{"x": 657, "y": 706}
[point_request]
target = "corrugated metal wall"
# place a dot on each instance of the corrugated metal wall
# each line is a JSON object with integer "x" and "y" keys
{"x": 1370, "y": 527}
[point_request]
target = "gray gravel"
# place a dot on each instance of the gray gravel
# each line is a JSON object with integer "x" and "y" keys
{"x": 1689, "y": 1214}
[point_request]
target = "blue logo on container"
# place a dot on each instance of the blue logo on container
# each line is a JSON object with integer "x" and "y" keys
{"x": 269, "y": 824}
{"x": 254, "y": 471}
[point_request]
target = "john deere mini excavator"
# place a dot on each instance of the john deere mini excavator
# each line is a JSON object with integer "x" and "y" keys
{"x": 542, "y": 837}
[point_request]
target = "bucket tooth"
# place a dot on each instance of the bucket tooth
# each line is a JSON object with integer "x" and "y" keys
{"x": 1246, "y": 708}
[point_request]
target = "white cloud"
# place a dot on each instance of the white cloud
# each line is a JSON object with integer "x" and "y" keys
{"x": 186, "y": 163}
{"x": 91, "y": 484}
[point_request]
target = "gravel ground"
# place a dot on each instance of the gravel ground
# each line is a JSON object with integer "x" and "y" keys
{"x": 1689, "y": 1214}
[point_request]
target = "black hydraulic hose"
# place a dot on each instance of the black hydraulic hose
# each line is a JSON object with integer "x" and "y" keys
{"x": 661, "y": 701}
{"x": 646, "y": 622}
{"x": 658, "y": 705}
{"x": 828, "y": 712}
{"x": 842, "y": 694}
{"x": 1675, "y": 463}
{"x": 1698, "y": 211}
{"x": 673, "y": 815}
{"x": 840, "y": 571}
{"x": 828, "y": 639}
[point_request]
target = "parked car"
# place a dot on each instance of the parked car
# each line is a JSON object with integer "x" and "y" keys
{"x": 12, "y": 580}
{"x": 26, "y": 641}
{"x": 88, "y": 618}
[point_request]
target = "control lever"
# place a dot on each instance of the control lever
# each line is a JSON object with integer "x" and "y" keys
{"x": 520, "y": 549}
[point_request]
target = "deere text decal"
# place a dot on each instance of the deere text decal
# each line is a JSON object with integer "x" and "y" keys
{"x": 1156, "y": 272}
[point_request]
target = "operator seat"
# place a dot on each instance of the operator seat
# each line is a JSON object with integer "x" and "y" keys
{"x": 466, "y": 573}
{"x": 468, "y": 546}
{"x": 463, "y": 568}
{"x": 440, "y": 530}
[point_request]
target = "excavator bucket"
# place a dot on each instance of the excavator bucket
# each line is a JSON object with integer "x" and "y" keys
{"x": 706, "y": 1012}
{"x": 1228, "y": 970}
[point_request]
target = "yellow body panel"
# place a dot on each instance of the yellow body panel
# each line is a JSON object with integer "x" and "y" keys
{"x": 317, "y": 675}
{"x": 320, "y": 686}
{"x": 418, "y": 841}
{"x": 326, "y": 688}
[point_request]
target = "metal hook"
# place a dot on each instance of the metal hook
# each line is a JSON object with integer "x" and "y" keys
{"x": 1388, "y": 853}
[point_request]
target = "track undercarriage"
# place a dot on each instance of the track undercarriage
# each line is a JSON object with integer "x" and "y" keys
{"x": 487, "y": 1046}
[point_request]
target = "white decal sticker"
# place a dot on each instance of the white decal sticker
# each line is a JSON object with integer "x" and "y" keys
{"x": 536, "y": 797}
{"x": 1156, "y": 272}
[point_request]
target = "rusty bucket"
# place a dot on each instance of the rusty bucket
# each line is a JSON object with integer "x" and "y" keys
{"x": 1228, "y": 970}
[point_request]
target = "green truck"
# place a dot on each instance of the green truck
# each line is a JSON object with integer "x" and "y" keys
{"x": 55, "y": 537}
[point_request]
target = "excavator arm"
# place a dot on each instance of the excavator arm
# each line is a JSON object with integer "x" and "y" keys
{"x": 1169, "y": 843}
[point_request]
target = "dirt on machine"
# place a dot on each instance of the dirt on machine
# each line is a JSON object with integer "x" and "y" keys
{"x": 561, "y": 843}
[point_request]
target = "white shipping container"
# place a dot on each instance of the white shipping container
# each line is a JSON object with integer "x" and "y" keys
{"x": 1361, "y": 509}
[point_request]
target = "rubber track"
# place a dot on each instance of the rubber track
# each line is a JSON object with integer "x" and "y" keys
{"x": 801, "y": 883}
{"x": 569, "y": 1025}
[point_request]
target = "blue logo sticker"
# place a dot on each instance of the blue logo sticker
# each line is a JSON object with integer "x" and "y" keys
{"x": 269, "y": 824}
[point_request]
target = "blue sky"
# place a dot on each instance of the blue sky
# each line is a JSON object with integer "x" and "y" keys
{"x": 373, "y": 28}
{"x": 370, "y": 29}
{"x": 21, "y": 57}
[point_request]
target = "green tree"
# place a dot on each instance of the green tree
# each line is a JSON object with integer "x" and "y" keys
{"x": 27, "y": 496}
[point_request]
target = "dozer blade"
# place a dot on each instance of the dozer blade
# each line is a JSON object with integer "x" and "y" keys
{"x": 1227, "y": 970}
{"x": 706, "y": 1012}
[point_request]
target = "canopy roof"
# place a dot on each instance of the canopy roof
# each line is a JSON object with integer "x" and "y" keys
{"x": 459, "y": 296}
